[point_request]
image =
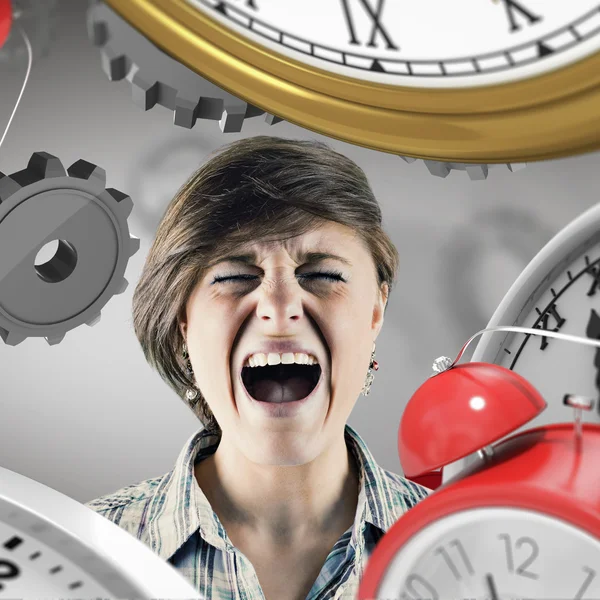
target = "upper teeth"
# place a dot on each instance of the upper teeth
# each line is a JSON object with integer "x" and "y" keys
{"x": 287, "y": 358}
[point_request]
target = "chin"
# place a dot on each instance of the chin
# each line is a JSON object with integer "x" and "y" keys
{"x": 280, "y": 448}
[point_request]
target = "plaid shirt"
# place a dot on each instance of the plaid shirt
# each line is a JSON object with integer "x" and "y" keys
{"x": 173, "y": 517}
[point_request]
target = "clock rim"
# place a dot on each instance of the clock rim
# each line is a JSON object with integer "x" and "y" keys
{"x": 465, "y": 493}
{"x": 557, "y": 108}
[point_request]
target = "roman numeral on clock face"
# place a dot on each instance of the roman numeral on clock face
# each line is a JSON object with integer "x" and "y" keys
{"x": 550, "y": 318}
{"x": 375, "y": 18}
{"x": 516, "y": 12}
{"x": 594, "y": 271}
{"x": 593, "y": 332}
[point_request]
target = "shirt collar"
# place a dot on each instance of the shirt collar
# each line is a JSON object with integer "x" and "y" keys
{"x": 179, "y": 507}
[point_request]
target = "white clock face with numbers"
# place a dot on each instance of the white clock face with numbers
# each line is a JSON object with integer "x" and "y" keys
{"x": 495, "y": 554}
{"x": 424, "y": 44}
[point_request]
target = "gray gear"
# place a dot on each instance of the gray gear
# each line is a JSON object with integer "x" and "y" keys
{"x": 156, "y": 78}
{"x": 476, "y": 172}
{"x": 43, "y": 203}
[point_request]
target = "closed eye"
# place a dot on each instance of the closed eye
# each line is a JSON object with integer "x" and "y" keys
{"x": 331, "y": 275}
{"x": 328, "y": 275}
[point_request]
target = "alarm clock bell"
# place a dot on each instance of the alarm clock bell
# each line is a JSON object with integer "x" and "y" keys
{"x": 461, "y": 410}
{"x": 5, "y": 20}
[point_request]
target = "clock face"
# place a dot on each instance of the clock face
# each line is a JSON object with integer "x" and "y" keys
{"x": 495, "y": 553}
{"x": 30, "y": 568}
{"x": 423, "y": 44}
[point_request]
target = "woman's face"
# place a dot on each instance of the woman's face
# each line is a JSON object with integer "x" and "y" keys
{"x": 282, "y": 301}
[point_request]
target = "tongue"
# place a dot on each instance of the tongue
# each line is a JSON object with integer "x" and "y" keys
{"x": 289, "y": 390}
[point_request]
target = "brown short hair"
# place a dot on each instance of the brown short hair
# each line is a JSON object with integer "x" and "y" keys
{"x": 259, "y": 188}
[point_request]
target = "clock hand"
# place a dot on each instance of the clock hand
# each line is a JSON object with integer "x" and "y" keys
{"x": 489, "y": 580}
{"x": 593, "y": 331}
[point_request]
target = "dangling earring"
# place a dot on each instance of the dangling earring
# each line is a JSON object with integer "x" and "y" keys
{"x": 190, "y": 393}
{"x": 373, "y": 366}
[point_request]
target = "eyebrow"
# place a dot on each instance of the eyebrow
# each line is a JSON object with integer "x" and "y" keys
{"x": 306, "y": 257}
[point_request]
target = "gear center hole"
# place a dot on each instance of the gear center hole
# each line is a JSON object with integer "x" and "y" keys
{"x": 55, "y": 261}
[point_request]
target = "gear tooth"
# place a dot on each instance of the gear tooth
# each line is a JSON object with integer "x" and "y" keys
{"x": 82, "y": 169}
{"x": 11, "y": 338}
{"x": 125, "y": 202}
{"x": 272, "y": 119}
{"x": 232, "y": 119}
{"x": 57, "y": 338}
{"x": 114, "y": 64}
{"x": 8, "y": 187}
{"x": 516, "y": 166}
{"x": 143, "y": 93}
{"x": 122, "y": 286}
{"x": 134, "y": 245}
{"x": 94, "y": 320}
{"x": 46, "y": 165}
{"x": 477, "y": 172}
{"x": 439, "y": 169}
{"x": 253, "y": 111}
{"x": 185, "y": 112}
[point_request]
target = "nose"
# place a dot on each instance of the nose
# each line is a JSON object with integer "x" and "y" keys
{"x": 280, "y": 299}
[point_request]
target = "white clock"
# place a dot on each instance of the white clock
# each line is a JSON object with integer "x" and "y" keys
{"x": 475, "y": 81}
{"x": 559, "y": 291}
{"x": 54, "y": 547}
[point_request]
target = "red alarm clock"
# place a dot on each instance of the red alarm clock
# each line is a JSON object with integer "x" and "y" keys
{"x": 522, "y": 522}
{"x": 5, "y": 20}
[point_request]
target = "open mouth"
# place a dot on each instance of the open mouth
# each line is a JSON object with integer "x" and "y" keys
{"x": 281, "y": 383}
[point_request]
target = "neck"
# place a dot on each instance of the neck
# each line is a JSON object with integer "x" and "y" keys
{"x": 283, "y": 504}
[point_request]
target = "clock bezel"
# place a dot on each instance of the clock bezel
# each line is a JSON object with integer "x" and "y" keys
{"x": 527, "y": 473}
{"x": 480, "y": 124}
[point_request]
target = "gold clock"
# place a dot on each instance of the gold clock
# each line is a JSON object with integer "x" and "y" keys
{"x": 472, "y": 81}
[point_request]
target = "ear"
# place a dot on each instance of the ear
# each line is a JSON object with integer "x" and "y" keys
{"x": 379, "y": 309}
{"x": 183, "y": 328}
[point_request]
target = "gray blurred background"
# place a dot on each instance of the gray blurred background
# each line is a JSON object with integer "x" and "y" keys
{"x": 88, "y": 416}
